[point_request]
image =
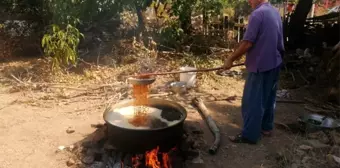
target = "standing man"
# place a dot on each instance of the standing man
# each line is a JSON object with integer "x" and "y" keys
{"x": 263, "y": 43}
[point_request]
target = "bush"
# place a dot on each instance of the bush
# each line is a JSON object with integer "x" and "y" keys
{"x": 172, "y": 35}
{"x": 61, "y": 45}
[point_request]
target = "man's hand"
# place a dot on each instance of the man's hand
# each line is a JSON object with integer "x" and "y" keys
{"x": 228, "y": 63}
{"x": 242, "y": 49}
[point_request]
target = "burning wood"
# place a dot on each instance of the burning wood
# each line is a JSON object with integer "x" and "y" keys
{"x": 152, "y": 159}
{"x": 166, "y": 161}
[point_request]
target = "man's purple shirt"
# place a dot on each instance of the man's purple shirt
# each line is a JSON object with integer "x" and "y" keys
{"x": 265, "y": 32}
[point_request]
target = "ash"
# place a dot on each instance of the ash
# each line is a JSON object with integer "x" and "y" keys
{"x": 96, "y": 152}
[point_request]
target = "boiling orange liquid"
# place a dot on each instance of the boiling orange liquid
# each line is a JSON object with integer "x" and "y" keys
{"x": 140, "y": 94}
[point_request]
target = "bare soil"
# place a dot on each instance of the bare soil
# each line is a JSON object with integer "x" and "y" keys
{"x": 32, "y": 132}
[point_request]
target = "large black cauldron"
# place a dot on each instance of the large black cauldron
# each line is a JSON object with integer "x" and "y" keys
{"x": 141, "y": 140}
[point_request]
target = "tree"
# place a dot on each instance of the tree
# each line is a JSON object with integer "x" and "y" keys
{"x": 297, "y": 22}
{"x": 185, "y": 8}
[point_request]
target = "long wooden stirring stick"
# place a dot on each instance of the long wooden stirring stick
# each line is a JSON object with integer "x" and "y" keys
{"x": 176, "y": 72}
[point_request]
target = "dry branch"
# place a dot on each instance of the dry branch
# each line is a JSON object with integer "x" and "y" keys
{"x": 303, "y": 77}
{"x": 158, "y": 95}
{"x": 293, "y": 77}
{"x": 326, "y": 106}
{"x": 11, "y": 103}
{"x": 16, "y": 79}
{"x": 211, "y": 123}
{"x": 316, "y": 110}
{"x": 229, "y": 99}
{"x": 70, "y": 88}
{"x": 312, "y": 101}
{"x": 178, "y": 72}
{"x": 286, "y": 127}
{"x": 291, "y": 101}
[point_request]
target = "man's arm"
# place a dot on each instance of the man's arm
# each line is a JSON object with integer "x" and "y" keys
{"x": 241, "y": 50}
{"x": 249, "y": 39}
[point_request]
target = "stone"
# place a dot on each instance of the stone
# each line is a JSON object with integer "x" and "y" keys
{"x": 70, "y": 130}
{"x": 316, "y": 135}
{"x": 185, "y": 146}
{"x": 211, "y": 98}
{"x": 117, "y": 165}
{"x": 195, "y": 128}
{"x": 294, "y": 165}
{"x": 190, "y": 141}
{"x": 99, "y": 125}
{"x": 279, "y": 156}
{"x": 305, "y": 160}
{"x": 316, "y": 144}
{"x": 192, "y": 154}
{"x": 108, "y": 146}
{"x": 72, "y": 148}
{"x": 197, "y": 160}
{"x": 99, "y": 134}
{"x": 70, "y": 162}
{"x": 198, "y": 131}
{"x": 88, "y": 159}
{"x": 337, "y": 139}
{"x": 88, "y": 144}
{"x": 196, "y": 145}
{"x": 204, "y": 142}
{"x": 335, "y": 150}
{"x": 92, "y": 151}
{"x": 337, "y": 159}
{"x": 333, "y": 160}
{"x": 300, "y": 152}
{"x": 60, "y": 148}
{"x": 97, "y": 165}
{"x": 305, "y": 147}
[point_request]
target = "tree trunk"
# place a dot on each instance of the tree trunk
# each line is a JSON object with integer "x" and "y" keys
{"x": 186, "y": 24}
{"x": 141, "y": 21}
{"x": 205, "y": 21}
{"x": 297, "y": 22}
{"x": 185, "y": 17}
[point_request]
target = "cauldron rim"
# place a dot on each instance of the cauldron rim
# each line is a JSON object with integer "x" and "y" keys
{"x": 179, "y": 107}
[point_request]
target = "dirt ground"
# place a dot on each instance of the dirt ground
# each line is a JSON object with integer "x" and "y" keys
{"x": 31, "y": 134}
{"x": 227, "y": 115}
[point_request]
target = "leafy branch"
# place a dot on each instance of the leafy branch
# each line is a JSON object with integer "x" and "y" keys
{"x": 61, "y": 44}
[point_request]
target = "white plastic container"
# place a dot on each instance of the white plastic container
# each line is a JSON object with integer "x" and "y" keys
{"x": 189, "y": 78}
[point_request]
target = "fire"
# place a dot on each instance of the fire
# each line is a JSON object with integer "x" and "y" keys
{"x": 152, "y": 161}
{"x": 166, "y": 161}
